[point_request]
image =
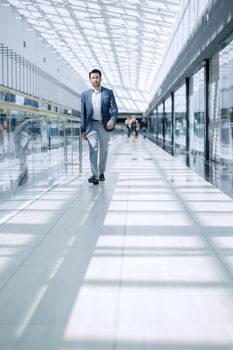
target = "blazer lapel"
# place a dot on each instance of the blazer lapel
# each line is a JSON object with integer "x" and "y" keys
{"x": 102, "y": 96}
{"x": 102, "y": 100}
{"x": 90, "y": 100}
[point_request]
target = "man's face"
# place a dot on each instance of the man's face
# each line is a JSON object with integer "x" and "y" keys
{"x": 95, "y": 80}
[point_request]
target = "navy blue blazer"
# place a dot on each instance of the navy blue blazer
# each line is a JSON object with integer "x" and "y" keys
{"x": 109, "y": 109}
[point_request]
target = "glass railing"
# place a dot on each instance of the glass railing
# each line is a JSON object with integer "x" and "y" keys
{"x": 40, "y": 143}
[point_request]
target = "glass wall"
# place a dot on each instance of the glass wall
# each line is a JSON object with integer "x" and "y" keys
{"x": 154, "y": 124}
{"x": 168, "y": 120}
{"x": 219, "y": 120}
{"x": 221, "y": 104}
{"x": 197, "y": 112}
{"x": 160, "y": 122}
{"x": 36, "y": 150}
{"x": 180, "y": 119}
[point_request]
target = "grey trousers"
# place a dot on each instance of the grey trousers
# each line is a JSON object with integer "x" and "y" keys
{"x": 98, "y": 139}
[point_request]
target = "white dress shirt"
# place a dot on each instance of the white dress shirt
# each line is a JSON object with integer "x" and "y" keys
{"x": 96, "y": 103}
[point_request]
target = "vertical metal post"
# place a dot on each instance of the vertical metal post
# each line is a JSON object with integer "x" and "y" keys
{"x": 39, "y": 83}
{"x": 65, "y": 147}
{"x": 3, "y": 68}
{"x": 187, "y": 147}
{"x": 27, "y": 76}
{"x": 36, "y": 82}
{"x": 1, "y": 65}
{"x": 72, "y": 142}
{"x": 163, "y": 124}
{"x": 33, "y": 79}
{"x": 16, "y": 72}
{"x": 206, "y": 114}
{"x": 156, "y": 124}
{"x": 187, "y": 116}
{"x": 173, "y": 122}
{"x": 43, "y": 86}
{"x": 80, "y": 152}
{"x": 11, "y": 69}
{"x": 21, "y": 77}
{"x": 7, "y": 67}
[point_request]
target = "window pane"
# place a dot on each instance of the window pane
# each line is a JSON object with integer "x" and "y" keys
{"x": 160, "y": 122}
{"x": 153, "y": 124}
{"x": 168, "y": 120}
{"x": 197, "y": 127}
{"x": 180, "y": 119}
{"x": 221, "y": 105}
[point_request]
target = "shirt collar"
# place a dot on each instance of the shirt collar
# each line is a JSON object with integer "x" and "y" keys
{"x": 97, "y": 91}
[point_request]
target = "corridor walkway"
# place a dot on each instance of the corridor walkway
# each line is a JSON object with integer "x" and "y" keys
{"x": 143, "y": 261}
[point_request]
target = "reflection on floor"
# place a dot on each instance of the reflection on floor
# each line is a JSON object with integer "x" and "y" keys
{"x": 219, "y": 174}
{"x": 142, "y": 261}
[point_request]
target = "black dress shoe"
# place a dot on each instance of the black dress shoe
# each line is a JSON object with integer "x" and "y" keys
{"x": 101, "y": 177}
{"x": 93, "y": 180}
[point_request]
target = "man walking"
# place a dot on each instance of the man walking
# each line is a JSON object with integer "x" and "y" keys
{"x": 98, "y": 117}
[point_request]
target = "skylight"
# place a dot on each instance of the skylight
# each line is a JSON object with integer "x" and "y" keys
{"x": 129, "y": 36}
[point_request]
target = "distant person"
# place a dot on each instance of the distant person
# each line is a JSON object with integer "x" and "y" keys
{"x": 98, "y": 117}
{"x": 135, "y": 127}
{"x": 143, "y": 126}
{"x": 128, "y": 122}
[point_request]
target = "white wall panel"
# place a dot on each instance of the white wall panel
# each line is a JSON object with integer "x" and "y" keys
{"x": 16, "y": 32}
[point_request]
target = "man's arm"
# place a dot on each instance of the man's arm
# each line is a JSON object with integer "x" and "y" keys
{"x": 113, "y": 107}
{"x": 83, "y": 114}
{"x": 83, "y": 118}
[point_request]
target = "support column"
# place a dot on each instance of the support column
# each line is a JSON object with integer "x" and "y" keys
{"x": 207, "y": 118}
{"x": 163, "y": 123}
{"x": 187, "y": 115}
{"x": 187, "y": 147}
{"x": 173, "y": 123}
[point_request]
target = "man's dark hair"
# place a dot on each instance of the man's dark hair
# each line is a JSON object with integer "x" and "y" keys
{"x": 95, "y": 71}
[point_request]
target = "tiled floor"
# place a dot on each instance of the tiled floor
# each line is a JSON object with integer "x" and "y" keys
{"x": 143, "y": 261}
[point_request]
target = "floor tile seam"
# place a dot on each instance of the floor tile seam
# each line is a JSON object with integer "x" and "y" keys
{"x": 140, "y": 193}
{"x": 225, "y": 267}
{"x": 117, "y": 318}
{"x": 27, "y": 204}
{"x": 40, "y": 324}
{"x": 146, "y": 212}
{"x": 163, "y": 211}
{"x": 31, "y": 202}
{"x": 220, "y": 212}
